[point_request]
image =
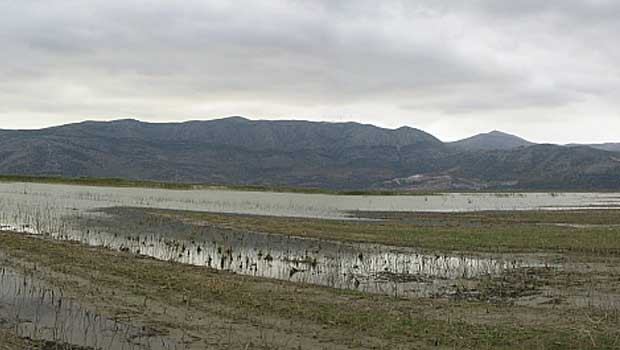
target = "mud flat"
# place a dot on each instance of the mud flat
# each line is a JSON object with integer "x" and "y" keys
{"x": 484, "y": 280}
{"x": 32, "y": 309}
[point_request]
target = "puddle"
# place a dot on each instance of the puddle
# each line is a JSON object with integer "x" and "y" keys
{"x": 31, "y": 309}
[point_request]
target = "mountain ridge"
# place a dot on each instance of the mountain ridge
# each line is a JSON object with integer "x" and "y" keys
{"x": 240, "y": 151}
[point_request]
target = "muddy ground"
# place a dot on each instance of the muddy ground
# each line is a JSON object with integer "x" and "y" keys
{"x": 573, "y": 303}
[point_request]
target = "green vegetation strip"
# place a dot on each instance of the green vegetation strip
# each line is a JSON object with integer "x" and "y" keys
{"x": 92, "y": 181}
{"x": 597, "y": 231}
{"x": 120, "y": 182}
{"x": 352, "y": 316}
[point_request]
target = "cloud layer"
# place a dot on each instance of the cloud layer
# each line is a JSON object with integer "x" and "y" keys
{"x": 544, "y": 69}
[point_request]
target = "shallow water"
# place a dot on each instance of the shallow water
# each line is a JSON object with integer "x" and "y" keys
{"x": 369, "y": 268}
{"x": 67, "y": 198}
{"x": 68, "y": 212}
{"x": 31, "y": 309}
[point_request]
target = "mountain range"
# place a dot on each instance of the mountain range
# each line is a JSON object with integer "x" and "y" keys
{"x": 238, "y": 151}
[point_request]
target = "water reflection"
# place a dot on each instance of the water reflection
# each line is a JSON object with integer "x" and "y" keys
{"x": 31, "y": 309}
{"x": 365, "y": 267}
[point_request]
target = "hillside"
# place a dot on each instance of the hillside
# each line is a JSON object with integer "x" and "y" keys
{"x": 612, "y": 147}
{"x": 539, "y": 167}
{"x": 238, "y": 151}
{"x": 225, "y": 151}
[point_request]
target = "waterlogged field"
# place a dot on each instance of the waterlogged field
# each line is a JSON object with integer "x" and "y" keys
{"x": 62, "y": 199}
{"x": 35, "y": 310}
{"x": 135, "y": 268}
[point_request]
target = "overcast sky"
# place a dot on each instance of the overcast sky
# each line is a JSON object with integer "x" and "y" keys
{"x": 546, "y": 70}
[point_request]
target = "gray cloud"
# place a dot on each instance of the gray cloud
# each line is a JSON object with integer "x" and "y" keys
{"x": 391, "y": 62}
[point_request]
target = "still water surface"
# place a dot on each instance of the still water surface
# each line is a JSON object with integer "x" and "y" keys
{"x": 59, "y": 197}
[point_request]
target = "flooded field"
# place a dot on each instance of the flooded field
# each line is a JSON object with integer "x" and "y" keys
{"x": 88, "y": 215}
{"x": 61, "y": 199}
{"x": 92, "y": 216}
{"x": 370, "y": 268}
{"x": 32, "y": 309}
{"x": 345, "y": 243}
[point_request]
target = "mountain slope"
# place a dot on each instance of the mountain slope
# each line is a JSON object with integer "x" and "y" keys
{"x": 611, "y": 147}
{"x": 298, "y": 153}
{"x": 226, "y": 151}
{"x": 495, "y": 140}
{"x": 538, "y": 167}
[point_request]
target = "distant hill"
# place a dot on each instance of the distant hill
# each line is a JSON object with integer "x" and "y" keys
{"x": 538, "y": 167}
{"x": 612, "y": 147}
{"x": 238, "y": 151}
{"x": 255, "y": 135}
{"x": 226, "y": 151}
{"x": 495, "y": 140}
